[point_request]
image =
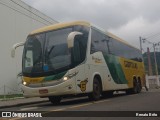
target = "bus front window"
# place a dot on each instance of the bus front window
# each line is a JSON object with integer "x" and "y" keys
{"x": 57, "y": 52}
{"x": 48, "y": 53}
{"x": 32, "y": 56}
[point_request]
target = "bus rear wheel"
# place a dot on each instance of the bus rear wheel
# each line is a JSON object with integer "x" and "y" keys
{"x": 97, "y": 89}
{"x": 137, "y": 87}
{"x": 55, "y": 99}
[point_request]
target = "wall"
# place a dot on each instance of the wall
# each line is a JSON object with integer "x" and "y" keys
{"x": 17, "y": 20}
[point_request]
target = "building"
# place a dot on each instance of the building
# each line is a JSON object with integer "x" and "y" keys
{"x": 17, "y": 20}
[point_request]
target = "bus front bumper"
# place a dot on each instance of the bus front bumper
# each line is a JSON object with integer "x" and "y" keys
{"x": 64, "y": 88}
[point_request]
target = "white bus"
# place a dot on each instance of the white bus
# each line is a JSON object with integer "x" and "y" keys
{"x": 76, "y": 58}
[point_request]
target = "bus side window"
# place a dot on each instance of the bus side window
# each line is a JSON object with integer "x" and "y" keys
{"x": 98, "y": 42}
{"x": 79, "y": 50}
{"x": 80, "y": 46}
{"x": 109, "y": 45}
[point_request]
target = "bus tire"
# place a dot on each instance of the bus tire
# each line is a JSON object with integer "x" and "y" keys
{"x": 136, "y": 87}
{"x": 97, "y": 89}
{"x": 55, "y": 99}
{"x": 139, "y": 86}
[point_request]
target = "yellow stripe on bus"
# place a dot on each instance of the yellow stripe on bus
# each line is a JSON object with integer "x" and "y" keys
{"x": 33, "y": 80}
{"x": 60, "y": 25}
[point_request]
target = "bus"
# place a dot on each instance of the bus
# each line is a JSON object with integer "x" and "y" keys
{"x": 77, "y": 58}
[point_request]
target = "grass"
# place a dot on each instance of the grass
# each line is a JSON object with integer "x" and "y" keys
{"x": 11, "y": 96}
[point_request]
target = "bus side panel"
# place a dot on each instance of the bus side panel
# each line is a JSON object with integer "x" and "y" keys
{"x": 131, "y": 69}
{"x": 123, "y": 70}
{"x": 93, "y": 68}
{"x": 114, "y": 78}
{"x": 82, "y": 81}
{"x": 98, "y": 66}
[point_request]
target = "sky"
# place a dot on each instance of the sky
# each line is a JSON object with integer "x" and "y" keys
{"x": 127, "y": 19}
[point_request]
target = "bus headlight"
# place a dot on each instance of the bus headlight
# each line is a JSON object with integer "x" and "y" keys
{"x": 25, "y": 83}
{"x": 65, "y": 78}
{"x": 70, "y": 76}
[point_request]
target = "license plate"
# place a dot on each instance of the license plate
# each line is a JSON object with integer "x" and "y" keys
{"x": 43, "y": 91}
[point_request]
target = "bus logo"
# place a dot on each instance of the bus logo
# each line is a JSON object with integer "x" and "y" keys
{"x": 83, "y": 84}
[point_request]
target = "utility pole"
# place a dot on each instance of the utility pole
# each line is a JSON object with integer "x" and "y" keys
{"x": 140, "y": 39}
{"x": 149, "y": 62}
{"x": 156, "y": 67}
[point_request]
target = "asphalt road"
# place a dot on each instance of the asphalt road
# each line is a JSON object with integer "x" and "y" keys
{"x": 69, "y": 109}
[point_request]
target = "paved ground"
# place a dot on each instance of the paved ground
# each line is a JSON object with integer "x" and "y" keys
{"x": 145, "y": 101}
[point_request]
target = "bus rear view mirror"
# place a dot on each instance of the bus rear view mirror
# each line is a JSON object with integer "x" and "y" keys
{"x": 71, "y": 38}
{"x": 15, "y": 46}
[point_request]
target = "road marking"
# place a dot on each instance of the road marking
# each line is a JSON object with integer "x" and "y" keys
{"x": 62, "y": 109}
{"x": 102, "y": 101}
{"x": 133, "y": 95}
{"x": 130, "y": 95}
{"x": 77, "y": 106}
{"x": 30, "y": 108}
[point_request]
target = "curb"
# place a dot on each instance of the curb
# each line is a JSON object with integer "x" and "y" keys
{"x": 22, "y": 104}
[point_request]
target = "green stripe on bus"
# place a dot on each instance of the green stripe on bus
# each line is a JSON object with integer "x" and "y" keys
{"x": 115, "y": 69}
{"x": 55, "y": 77}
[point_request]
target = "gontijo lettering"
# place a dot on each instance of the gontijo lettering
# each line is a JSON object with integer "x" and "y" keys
{"x": 130, "y": 64}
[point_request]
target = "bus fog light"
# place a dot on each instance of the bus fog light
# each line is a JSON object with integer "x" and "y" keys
{"x": 65, "y": 78}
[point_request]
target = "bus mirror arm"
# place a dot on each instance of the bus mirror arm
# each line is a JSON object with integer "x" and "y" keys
{"x": 71, "y": 38}
{"x": 15, "y": 46}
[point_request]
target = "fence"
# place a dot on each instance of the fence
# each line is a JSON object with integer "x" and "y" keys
{"x": 152, "y": 81}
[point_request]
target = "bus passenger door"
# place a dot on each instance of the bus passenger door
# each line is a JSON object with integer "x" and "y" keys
{"x": 79, "y": 54}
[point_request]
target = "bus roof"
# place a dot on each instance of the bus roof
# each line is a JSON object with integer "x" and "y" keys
{"x": 84, "y": 23}
{"x": 60, "y": 25}
{"x": 114, "y": 37}
{"x": 121, "y": 40}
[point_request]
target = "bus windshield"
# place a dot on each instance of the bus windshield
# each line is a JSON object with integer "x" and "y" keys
{"x": 48, "y": 53}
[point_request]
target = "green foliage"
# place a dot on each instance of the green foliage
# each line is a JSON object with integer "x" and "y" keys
{"x": 11, "y": 96}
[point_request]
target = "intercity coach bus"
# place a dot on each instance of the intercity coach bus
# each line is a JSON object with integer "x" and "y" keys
{"x": 77, "y": 58}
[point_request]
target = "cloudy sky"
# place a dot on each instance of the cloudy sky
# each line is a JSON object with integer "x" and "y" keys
{"x": 127, "y": 19}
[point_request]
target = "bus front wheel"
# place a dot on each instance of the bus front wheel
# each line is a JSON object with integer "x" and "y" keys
{"x": 96, "y": 93}
{"x": 55, "y": 99}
